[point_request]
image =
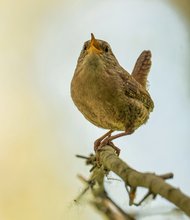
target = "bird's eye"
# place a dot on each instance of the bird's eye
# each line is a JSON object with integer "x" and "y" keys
{"x": 85, "y": 47}
{"x": 106, "y": 49}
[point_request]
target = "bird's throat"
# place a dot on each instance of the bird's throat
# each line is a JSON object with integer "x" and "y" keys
{"x": 93, "y": 63}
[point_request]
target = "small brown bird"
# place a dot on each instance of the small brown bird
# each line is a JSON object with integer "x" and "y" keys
{"x": 106, "y": 94}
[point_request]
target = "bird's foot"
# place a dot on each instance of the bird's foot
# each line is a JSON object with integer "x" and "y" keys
{"x": 105, "y": 142}
{"x": 98, "y": 142}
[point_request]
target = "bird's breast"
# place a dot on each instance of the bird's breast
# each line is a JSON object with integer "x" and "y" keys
{"x": 96, "y": 97}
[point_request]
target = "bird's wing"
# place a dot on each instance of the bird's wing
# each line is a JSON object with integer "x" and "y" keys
{"x": 142, "y": 68}
{"x": 135, "y": 90}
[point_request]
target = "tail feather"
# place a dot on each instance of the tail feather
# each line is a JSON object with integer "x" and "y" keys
{"x": 142, "y": 68}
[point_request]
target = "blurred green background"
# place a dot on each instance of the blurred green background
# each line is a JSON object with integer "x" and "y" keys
{"x": 40, "y": 128}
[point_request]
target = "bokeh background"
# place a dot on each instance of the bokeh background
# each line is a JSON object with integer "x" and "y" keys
{"x": 40, "y": 128}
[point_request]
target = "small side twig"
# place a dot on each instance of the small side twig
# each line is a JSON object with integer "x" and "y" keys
{"x": 149, "y": 193}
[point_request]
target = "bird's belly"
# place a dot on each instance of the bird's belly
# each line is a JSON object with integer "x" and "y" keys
{"x": 105, "y": 115}
{"x": 113, "y": 113}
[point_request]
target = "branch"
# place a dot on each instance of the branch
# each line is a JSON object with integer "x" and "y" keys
{"x": 109, "y": 160}
{"x": 106, "y": 159}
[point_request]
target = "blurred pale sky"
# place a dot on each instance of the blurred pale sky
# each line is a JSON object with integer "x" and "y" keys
{"x": 41, "y": 129}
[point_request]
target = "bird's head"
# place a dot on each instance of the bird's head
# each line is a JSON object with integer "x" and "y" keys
{"x": 95, "y": 51}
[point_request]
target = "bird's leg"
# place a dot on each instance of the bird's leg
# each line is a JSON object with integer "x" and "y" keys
{"x": 111, "y": 138}
{"x": 99, "y": 140}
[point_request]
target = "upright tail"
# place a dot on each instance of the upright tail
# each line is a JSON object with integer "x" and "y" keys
{"x": 142, "y": 68}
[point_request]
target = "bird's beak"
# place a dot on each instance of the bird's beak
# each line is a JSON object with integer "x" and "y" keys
{"x": 94, "y": 46}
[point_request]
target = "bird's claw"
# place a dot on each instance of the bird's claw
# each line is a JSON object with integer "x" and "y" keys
{"x": 98, "y": 145}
